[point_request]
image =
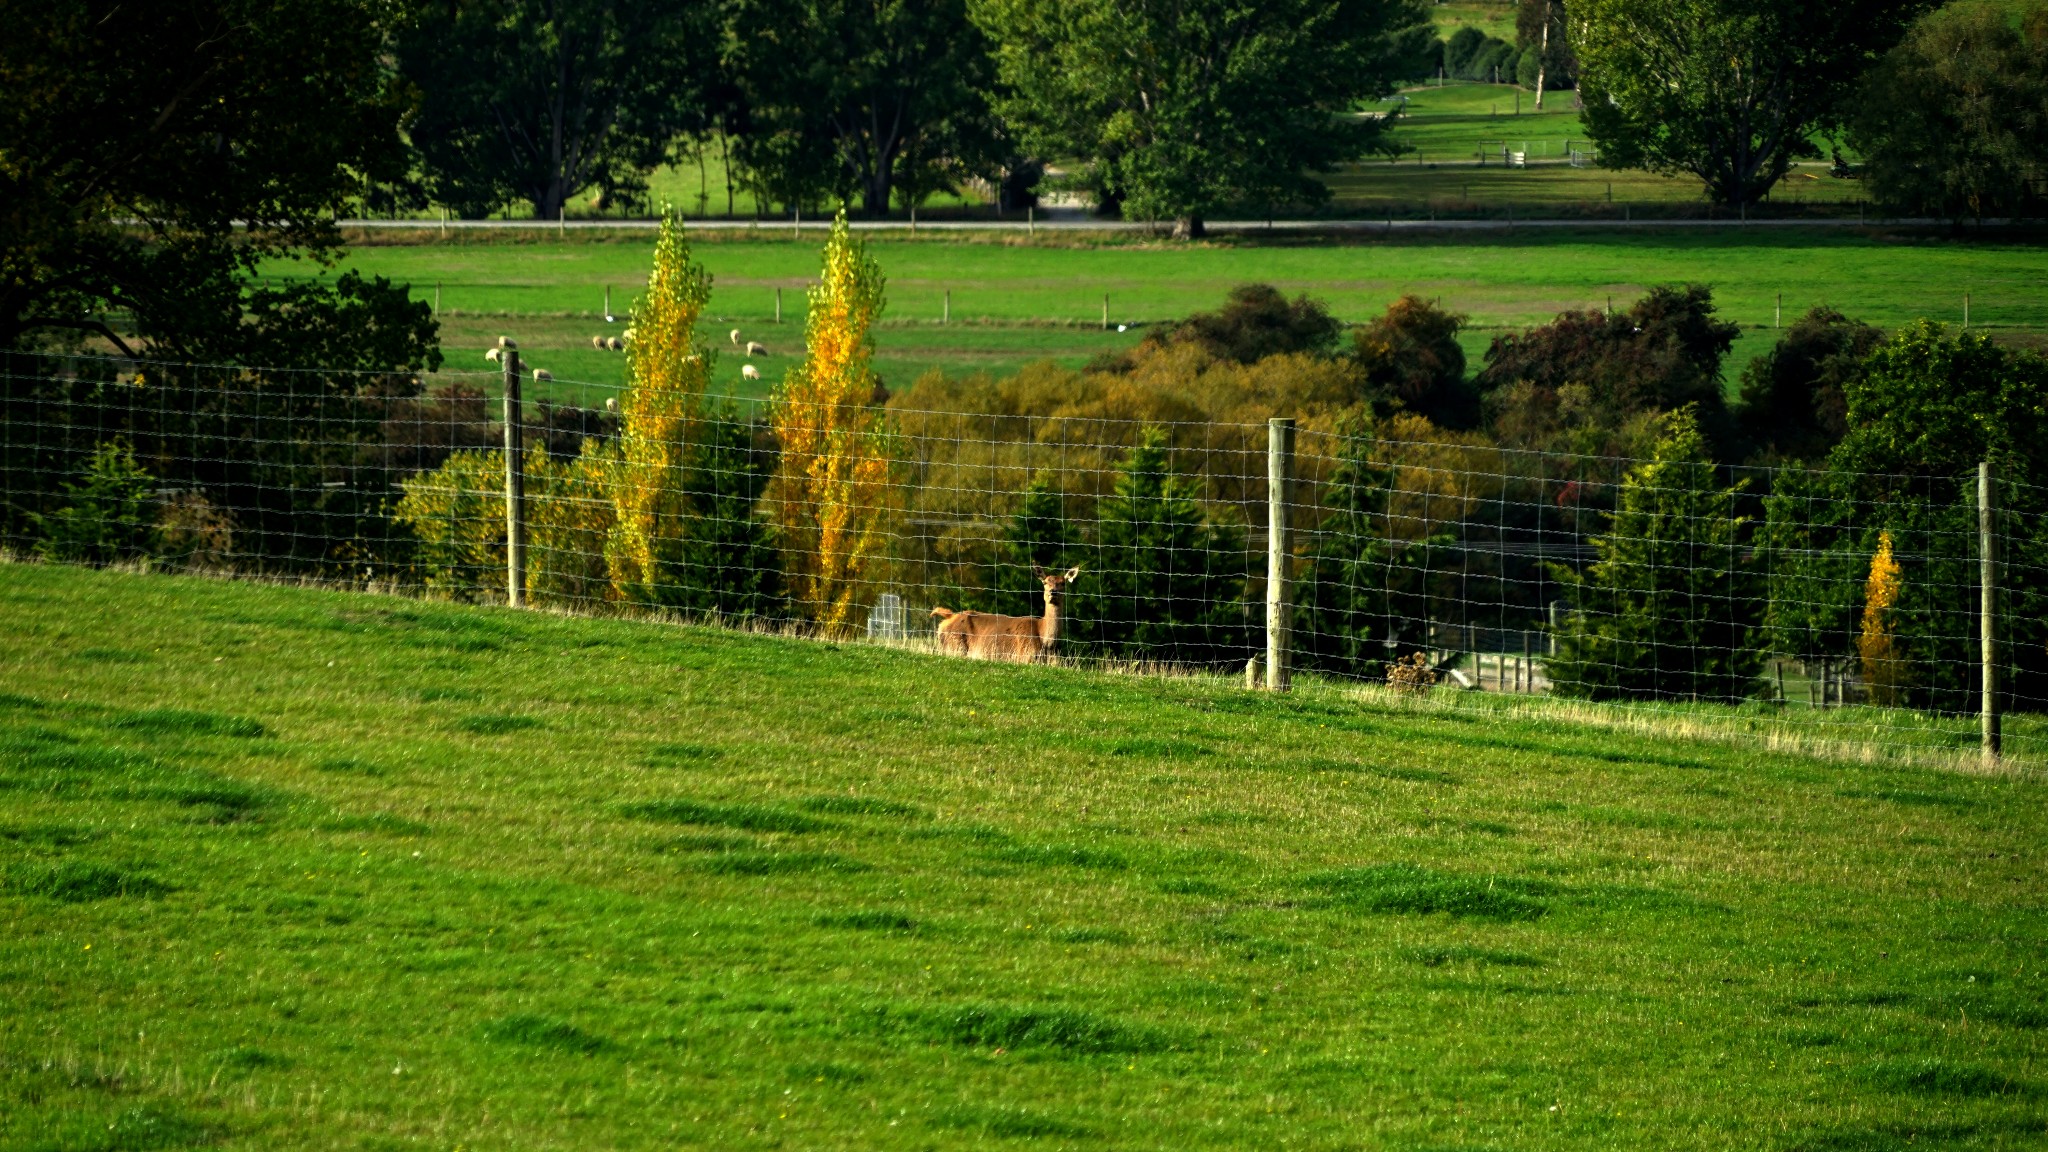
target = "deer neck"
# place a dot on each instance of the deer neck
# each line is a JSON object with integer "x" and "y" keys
{"x": 1049, "y": 626}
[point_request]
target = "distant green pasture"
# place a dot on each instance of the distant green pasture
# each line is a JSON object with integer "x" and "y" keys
{"x": 1013, "y": 303}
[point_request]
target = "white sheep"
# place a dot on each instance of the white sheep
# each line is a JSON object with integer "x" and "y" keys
{"x": 614, "y": 344}
{"x": 507, "y": 342}
{"x": 542, "y": 376}
{"x": 597, "y": 342}
{"x": 749, "y": 372}
{"x": 756, "y": 348}
{"x": 735, "y": 337}
{"x": 611, "y": 403}
{"x": 492, "y": 355}
{"x": 626, "y": 336}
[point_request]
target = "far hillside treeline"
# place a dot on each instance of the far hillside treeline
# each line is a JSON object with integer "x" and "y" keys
{"x": 155, "y": 156}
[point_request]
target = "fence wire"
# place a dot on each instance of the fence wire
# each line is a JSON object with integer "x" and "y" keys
{"x": 1792, "y": 607}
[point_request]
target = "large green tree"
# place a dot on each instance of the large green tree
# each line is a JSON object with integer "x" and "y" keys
{"x": 151, "y": 155}
{"x": 542, "y": 100}
{"x": 1954, "y": 122}
{"x": 868, "y": 97}
{"x": 1730, "y": 91}
{"x": 1180, "y": 108}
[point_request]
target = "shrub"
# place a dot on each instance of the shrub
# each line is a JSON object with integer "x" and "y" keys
{"x": 109, "y": 513}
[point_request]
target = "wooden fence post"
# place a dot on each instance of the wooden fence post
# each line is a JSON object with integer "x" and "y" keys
{"x": 1279, "y": 553}
{"x": 515, "y": 486}
{"x": 1987, "y": 609}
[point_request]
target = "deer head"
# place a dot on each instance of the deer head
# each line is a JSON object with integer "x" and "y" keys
{"x": 1055, "y": 582}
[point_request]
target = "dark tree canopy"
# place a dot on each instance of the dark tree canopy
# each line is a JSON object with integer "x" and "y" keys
{"x": 1411, "y": 355}
{"x": 1794, "y": 397}
{"x": 873, "y": 98}
{"x": 541, "y": 100}
{"x": 1257, "y": 321}
{"x": 152, "y": 154}
{"x": 1954, "y": 121}
{"x": 1178, "y": 108}
{"x": 1730, "y": 91}
{"x": 1662, "y": 354}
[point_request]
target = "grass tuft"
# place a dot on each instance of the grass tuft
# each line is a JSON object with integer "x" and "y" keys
{"x": 533, "y": 1031}
{"x": 868, "y": 921}
{"x": 1012, "y": 1124}
{"x": 1943, "y": 1078}
{"x": 1441, "y": 956}
{"x": 75, "y": 882}
{"x": 179, "y": 722}
{"x": 863, "y": 806}
{"x": 1063, "y": 1030}
{"x": 779, "y": 863}
{"x": 1407, "y": 889}
{"x": 745, "y": 817}
{"x": 496, "y": 724}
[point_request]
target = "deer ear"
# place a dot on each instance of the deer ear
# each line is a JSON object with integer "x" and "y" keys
{"x": 1074, "y": 572}
{"x": 1037, "y": 572}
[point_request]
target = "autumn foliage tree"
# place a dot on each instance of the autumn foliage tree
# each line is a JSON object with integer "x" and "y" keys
{"x": 831, "y": 492}
{"x": 668, "y": 369}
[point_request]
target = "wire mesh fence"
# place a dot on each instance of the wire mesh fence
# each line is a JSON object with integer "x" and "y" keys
{"x": 1790, "y": 607}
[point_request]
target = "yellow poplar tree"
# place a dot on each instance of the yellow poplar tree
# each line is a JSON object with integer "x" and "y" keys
{"x": 831, "y": 487}
{"x": 1883, "y": 670}
{"x": 667, "y": 370}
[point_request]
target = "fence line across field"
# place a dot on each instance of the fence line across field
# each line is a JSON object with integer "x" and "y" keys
{"x": 1792, "y": 605}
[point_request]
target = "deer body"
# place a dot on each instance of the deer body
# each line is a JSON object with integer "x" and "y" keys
{"x": 1015, "y": 639}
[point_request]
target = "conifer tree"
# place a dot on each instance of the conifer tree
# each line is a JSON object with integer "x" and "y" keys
{"x": 729, "y": 560}
{"x": 831, "y": 488}
{"x": 1039, "y": 536}
{"x": 1168, "y": 584}
{"x": 1670, "y": 609}
{"x": 1341, "y": 612}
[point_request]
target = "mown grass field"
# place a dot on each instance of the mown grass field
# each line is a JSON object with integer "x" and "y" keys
{"x": 1015, "y": 302}
{"x": 297, "y": 868}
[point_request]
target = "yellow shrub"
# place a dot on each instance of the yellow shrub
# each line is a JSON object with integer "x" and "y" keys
{"x": 1883, "y": 669}
{"x": 457, "y": 513}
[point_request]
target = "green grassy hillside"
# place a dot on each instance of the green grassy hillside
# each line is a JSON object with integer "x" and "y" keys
{"x": 1014, "y": 303}
{"x": 283, "y": 867}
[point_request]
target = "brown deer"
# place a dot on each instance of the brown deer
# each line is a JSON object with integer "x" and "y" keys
{"x": 1017, "y": 639}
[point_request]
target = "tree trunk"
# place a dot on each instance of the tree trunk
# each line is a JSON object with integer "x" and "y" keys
{"x": 1543, "y": 56}
{"x": 875, "y": 193}
{"x": 1189, "y": 227}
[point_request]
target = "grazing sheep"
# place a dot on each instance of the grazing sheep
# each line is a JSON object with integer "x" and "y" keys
{"x": 735, "y": 337}
{"x": 614, "y": 344}
{"x": 542, "y": 376}
{"x": 597, "y": 342}
{"x": 507, "y": 342}
{"x": 749, "y": 372}
{"x": 611, "y": 403}
{"x": 492, "y": 355}
{"x": 756, "y": 348}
